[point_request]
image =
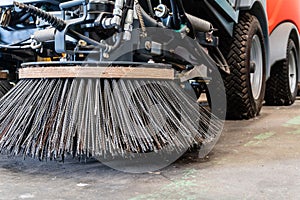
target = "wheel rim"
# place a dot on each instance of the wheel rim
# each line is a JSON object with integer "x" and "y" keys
{"x": 292, "y": 71}
{"x": 256, "y": 60}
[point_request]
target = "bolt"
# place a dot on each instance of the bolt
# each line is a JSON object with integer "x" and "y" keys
{"x": 105, "y": 55}
{"x": 82, "y": 43}
{"x": 150, "y": 61}
{"x": 158, "y": 9}
{"x": 148, "y": 45}
{"x": 209, "y": 40}
{"x": 172, "y": 51}
{"x": 252, "y": 67}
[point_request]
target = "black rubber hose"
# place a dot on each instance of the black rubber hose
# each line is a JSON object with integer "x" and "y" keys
{"x": 149, "y": 21}
{"x": 150, "y": 8}
{"x": 53, "y": 20}
{"x": 129, "y": 5}
{"x": 180, "y": 8}
{"x": 176, "y": 21}
{"x": 20, "y": 18}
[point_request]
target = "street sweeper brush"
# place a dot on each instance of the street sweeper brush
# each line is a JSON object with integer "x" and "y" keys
{"x": 112, "y": 86}
{"x": 50, "y": 117}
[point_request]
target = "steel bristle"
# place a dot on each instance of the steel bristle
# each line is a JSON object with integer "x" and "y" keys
{"x": 5, "y": 86}
{"x": 50, "y": 118}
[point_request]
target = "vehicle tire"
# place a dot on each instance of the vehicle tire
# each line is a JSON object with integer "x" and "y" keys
{"x": 282, "y": 85}
{"x": 245, "y": 86}
{"x": 5, "y": 86}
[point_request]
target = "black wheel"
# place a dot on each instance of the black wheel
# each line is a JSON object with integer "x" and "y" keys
{"x": 282, "y": 84}
{"x": 5, "y": 86}
{"x": 245, "y": 86}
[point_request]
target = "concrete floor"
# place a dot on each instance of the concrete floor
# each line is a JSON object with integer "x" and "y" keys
{"x": 254, "y": 159}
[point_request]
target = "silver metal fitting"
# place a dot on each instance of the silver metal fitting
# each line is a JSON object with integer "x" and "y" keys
{"x": 161, "y": 11}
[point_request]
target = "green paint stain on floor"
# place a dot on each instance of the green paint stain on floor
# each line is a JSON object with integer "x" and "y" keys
{"x": 252, "y": 143}
{"x": 180, "y": 184}
{"x": 180, "y": 188}
{"x": 259, "y": 139}
{"x": 189, "y": 173}
{"x": 264, "y": 136}
{"x": 296, "y": 132}
{"x": 294, "y": 121}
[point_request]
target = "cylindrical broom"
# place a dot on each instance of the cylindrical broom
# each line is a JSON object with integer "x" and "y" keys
{"x": 101, "y": 113}
{"x": 47, "y": 118}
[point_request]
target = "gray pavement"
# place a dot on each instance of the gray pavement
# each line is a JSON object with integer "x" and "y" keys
{"x": 254, "y": 159}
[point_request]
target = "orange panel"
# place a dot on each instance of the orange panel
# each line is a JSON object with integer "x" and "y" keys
{"x": 281, "y": 11}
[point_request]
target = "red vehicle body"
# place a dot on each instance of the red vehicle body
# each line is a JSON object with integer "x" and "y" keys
{"x": 281, "y": 11}
{"x": 284, "y": 24}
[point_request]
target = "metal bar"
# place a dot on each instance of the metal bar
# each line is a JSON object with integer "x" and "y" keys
{"x": 96, "y": 72}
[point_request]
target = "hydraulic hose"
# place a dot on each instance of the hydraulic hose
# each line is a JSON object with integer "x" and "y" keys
{"x": 149, "y": 21}
{"x": 176, "y": 21}
{"x": 197, "y": 23}
{"x": 57, "y": 23}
